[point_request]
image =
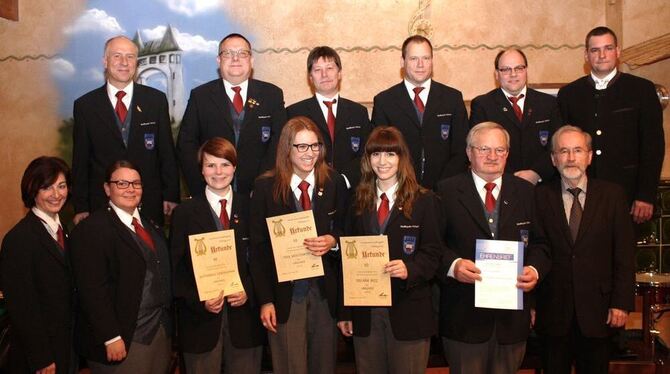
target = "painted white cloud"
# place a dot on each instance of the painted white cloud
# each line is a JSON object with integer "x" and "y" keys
{"x": 94, "y": 74}
{"x": 95, "y": 20}
{"x": 62, "y": 68}
{"x": 187, "y": 42}
{"x": 191, "y": 8}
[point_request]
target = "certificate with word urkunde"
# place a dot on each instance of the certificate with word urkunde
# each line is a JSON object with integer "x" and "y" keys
{"x": 293, "y": 260}
{"x": 364, "y": 279}
{"x": 214, "y": 259}
{"x": 500, "y": 262}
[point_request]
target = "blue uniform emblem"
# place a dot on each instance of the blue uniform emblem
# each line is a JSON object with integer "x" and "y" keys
{"x": 524, "y": 237}
{"x": 149, "y": 141}
{"x": 355, "y": 143}
{"x": 444, "y": 131}
{"x": 408, "y": 244}
{"x": 265, "y": 133}
{"x": 544, "y": 137}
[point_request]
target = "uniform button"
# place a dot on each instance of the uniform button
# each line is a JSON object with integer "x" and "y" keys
{"x": 490, "y": 220}
{"x": 595, "y": 114}
{"x": 599, "y": 152}
{"x": 599, "y": 132}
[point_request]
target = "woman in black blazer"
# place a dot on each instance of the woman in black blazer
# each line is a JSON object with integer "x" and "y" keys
{"x": 36, "y": 276}
{"x": 299, "y": 315}
{"x": 389, "y": 201}
{"x": 219, "y": 327}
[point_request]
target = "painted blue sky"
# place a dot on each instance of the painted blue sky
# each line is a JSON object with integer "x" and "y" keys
{"x": 198, "y": 26}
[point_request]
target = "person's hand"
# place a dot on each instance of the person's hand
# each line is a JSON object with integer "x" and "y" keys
{"x": 237, "y": 299}
{"x": 528, "y": 175}
{"x": 641, "y": 211}
{"x": 527, "y": 280}
{"x": 465, "y": 271}
{"x": 79, "y": 217}
{"x": 51, "y": 369}
{"x": 320, "y": 245}
{"x": 269, "y": 317}
{"x": 616, "y": 317}
{"x": 396, "y": 269}
{"x": 216, "y": 304}
{"x": 168, "y": 207}
{"x": 346, "y": 328}
{"x": 116, "y": 351}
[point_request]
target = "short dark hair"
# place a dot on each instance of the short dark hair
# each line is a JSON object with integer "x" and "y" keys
{"x": 499, "y": 55}
{"x": 41, "y": 172}
{"x": 119, "y": 165}
{"x": 324, "y": 52}
{"x": 234, "y": 35}
{"x": 599, "y": 31}
{"x": 218, "y": 147}
{"x": 415, "y": 39}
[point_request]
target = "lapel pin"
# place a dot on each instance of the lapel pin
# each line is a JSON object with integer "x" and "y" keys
{"x": 504, "y": 109}
{"x": 505, "y": 202}
{"x": 320, "y": 193}
{"x": 139, "y": 109}
{"x": 530, "y": 111}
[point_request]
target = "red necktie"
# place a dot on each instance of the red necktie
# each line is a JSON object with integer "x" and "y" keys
{"x": 331, "y": 118}
{"x": 120, "y": 107}
{"x": 417, "y": 100}
{"x": 490, "y": 201}
{"x": 223, "y": 217}
{"x": 383, "y": 210}
{"x": 304, "y": 196}
{"x": 516, "y": 107}
{"x": 61, "y": 237}
{"x": 143, "y": 234}
{"x": 237, "y": 100}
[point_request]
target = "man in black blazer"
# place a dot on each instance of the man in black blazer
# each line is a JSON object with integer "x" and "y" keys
{"x": 248, "y": 112}
{"x": 587, "y": 226}
{"x": 529, "y": 116}
{"x": 430, "y": 115}
{"x": 623, "y": 115}
{"x": 485, "y": 203}
{"x": 123, "y": 120}
{"x": 344, "y": 124}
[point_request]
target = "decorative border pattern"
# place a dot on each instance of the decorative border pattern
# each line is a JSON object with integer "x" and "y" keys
{"x": 28, "y": 57}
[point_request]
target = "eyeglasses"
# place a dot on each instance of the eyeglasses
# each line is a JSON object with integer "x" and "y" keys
{"x": 485, "y": 151}
{"x": 229, "y": 53}
{"x": 302, "y": 147}
{"x": 123, "y": 184}
{"x": 577, "y": 151}
{"x": 508, "y": 70}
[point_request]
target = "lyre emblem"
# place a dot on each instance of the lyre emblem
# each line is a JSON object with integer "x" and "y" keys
{"x": 278, "y": 229}
{"x": 200, "y": 247}
{"x": 351, "y": 251}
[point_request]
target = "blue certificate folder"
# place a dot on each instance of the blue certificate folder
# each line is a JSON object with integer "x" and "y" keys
{"x": 497, "y": 259}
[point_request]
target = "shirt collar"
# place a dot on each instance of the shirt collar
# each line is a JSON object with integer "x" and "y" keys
{"x": 320, "y": 98}
{"x": 390, "y": 193}
{"x": 581, "y": 185}
{"x": 508, "y": 95}
{"x": 229, "y": 86}
{"x": 126, "y": 219}
{"x": 480, "y": 183}
{"x": 410, "y": 86}
{"x": 214, "y": 199}
{"x": 295, "y": 180}
{"x": 604, "y": 81}
{"x": 52, "y": 223}
{"x": 111, "y": 90}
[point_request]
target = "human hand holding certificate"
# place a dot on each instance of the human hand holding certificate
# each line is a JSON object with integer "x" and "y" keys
{"x": 365, "y": 281}
{"x": 500, "y": 262}
{"x": 293, "y": 260}
{"x": 214, "y": 259}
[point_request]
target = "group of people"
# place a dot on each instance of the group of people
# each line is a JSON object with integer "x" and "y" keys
{"x": 420, "y": 172}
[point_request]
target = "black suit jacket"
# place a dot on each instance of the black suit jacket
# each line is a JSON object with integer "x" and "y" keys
{"x": 97, "y": 143}
{"x": 199, "y": 329}
{"x": 328, "y": 205}
{"x": 208, "y": 115}
{"x": 530, "y": 139}
{"x": 465, "y": 222}
{"x": 626, "y": 124}
{"x": 441, "y": 135}
{"x": 592, "y": 274}
{"x": 39, "y": 294}
{"x": 352, "y": 127}
{"x": 109, "y": 270}
{"x": 411, "y": 314}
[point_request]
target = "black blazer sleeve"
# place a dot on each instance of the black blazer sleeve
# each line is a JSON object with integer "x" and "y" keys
{"x": 188, "y": 142}
{"x": 169, "y": 172}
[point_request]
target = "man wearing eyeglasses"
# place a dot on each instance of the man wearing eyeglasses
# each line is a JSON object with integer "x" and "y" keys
{"x": 589, "y": 290}
{"x": 247, "y": 112}
{"x": 485, "y": 203}
{"x": 430, "y": 115}
{"x": 529, "y": 116}
{"x": 623, "y": 115}
{"x": 344, "y": 124}
{"x": 123, "y": 120}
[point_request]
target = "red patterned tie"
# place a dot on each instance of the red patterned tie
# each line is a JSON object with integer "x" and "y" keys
{"x": 61, "y": 237}
{"x": 331, "y": 118}
{"x": 120, "y": 107}
{"x": 237, "y": 100}
{"x": 383, "y": 210}
{"x": 143, "y": 234}
{"x": 304, "y": 196}
{"x": 417, "y": 100}
{"x": 516, "y": 107}
{"x": 490, "y": 201}
{"x": 223, "y": 217}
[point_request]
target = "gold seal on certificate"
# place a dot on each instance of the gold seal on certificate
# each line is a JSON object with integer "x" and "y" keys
{"x": 214, "y": 259}
{"x": 363, "y": 260}
{"x": 287, "y": 234}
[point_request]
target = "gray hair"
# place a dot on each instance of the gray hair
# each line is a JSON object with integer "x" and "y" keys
{"x": 482, "y": 127}
{"x": 569, "y": 128}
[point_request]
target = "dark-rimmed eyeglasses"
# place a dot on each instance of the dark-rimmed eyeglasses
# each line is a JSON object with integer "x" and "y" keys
{"x": 302, "y": 147}
{"x": 229, "y": 53}
{"x": 123, "y": 184}
{"x": 508, "y": 70}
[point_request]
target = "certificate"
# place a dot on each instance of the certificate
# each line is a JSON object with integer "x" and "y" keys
{"x": 214, "y": 260}
{"x": 292, "y": 260}
{"x": 500, "y": 262}
{"x": 364, "y": 279}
